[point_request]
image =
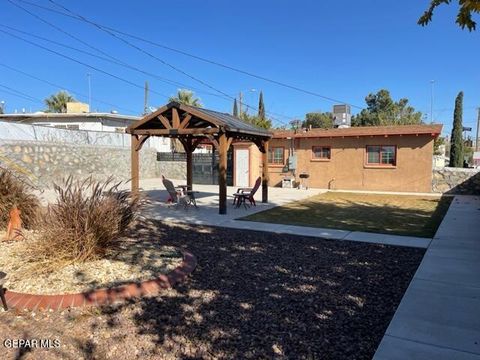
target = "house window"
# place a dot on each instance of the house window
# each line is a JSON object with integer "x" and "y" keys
{"x": 321, "y": 153}
{"x": 381, "y": 155}
{"x": 276, "y": 156}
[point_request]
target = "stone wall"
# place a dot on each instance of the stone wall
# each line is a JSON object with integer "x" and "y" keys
{"x": 173, "y": 169}
{"x": 456, "y": 181}
{"x": 45, "y": 162}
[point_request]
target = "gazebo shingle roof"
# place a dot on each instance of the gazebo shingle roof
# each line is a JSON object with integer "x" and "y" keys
{"x": 232, "y": 123}
{"x": 227, "y": 122}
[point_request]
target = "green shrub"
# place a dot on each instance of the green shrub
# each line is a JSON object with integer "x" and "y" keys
{"x": 14, "y": 191}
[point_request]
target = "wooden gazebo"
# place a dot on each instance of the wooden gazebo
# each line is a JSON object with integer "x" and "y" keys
{"x": 192, "y": 126}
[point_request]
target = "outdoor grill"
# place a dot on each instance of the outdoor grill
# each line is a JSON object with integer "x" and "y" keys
{"x": 303, "y": 180}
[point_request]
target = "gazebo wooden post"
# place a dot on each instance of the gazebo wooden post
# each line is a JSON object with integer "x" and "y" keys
{"x": 265, "y": 177}
{"x": 222, "y": 173}
{"x": 135, "y": 163}
{"x": 189, "y": 168}
{"x": 189, "y": 148}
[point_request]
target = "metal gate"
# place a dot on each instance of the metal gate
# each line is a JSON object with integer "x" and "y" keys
{"x": 205, "y": 166}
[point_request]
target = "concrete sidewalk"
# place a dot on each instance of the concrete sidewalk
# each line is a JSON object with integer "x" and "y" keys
{"x": 439, "y": 315}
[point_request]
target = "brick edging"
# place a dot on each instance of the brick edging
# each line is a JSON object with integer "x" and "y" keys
{"x": 103, "y": 296}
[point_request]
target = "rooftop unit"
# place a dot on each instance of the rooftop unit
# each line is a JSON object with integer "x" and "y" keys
{"x": 342, "y": 116}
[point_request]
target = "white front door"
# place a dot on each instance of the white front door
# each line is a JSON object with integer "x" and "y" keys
{"x": 242, "y": 162}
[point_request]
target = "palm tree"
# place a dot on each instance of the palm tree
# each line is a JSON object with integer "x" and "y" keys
{"x": 57, "y": 103}
{"x": 186, "y": 97}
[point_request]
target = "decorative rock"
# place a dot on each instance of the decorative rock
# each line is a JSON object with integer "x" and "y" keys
{"x": 27, "y": 159}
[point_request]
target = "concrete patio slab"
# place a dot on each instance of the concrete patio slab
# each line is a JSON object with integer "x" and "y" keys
{"x": 439, "y": 315}
{"x": 314, "y": 232}
{"x": 207, "y": 214}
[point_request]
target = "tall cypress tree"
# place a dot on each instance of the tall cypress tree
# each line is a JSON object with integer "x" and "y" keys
{"x": 235, "y": 108}
{"x": 456, "y": 142}
{"x": 261, "y": 107}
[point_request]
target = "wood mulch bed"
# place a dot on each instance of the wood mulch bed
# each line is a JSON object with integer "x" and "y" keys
{"x": 252, "y": 295}
{"x": 132, "y": 261}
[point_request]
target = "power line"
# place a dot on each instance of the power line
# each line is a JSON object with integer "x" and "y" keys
{"x": 60, "y": 54}
{"x": 65, "y": 88}
{"x": 112, "y": 60}
{"x": 81, "y": 62}
{"x": 102, "y": 28}
{"x": 111, "y": 32}
{"x": 137, "y": 48}
{"x": 118, "y": 62}
{"x": 20, "y": 94}
{"x": 17, "y": 95}
{"x": 143, "y": 51}
{"x": 59, "y": 29}
{"x": 212, "y": 62}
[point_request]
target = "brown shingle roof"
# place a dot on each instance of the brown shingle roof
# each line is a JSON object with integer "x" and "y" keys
{"x": 434, "y": 130}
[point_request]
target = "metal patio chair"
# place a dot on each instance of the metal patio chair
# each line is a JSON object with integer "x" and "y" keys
{"x": 177, "y": 195}
{"x": 244, "y": 194}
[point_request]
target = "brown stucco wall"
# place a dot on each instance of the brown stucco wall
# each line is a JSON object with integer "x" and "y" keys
{"x": 347, "y": 169}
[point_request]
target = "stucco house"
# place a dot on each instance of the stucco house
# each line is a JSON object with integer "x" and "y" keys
{"x": 379, "y": 158}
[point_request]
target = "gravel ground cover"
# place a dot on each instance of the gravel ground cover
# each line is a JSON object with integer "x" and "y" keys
{"x": 252, "y": 295}
{"x": 133, "y": 260}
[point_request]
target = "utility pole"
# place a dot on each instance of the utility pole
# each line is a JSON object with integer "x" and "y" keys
{"x": 432, "y": 82}
{"x": 145, "y": 103}
{"x": 89, "y": 92}
{"x": 477, "y": 145}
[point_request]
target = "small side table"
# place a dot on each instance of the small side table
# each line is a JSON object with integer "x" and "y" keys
{"x": 2, "y": 291}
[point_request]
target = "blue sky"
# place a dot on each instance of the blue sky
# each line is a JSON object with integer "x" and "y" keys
{"x": 340, "y": 49}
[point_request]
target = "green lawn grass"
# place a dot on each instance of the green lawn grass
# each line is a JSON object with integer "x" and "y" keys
{"x": 386, "y": 214}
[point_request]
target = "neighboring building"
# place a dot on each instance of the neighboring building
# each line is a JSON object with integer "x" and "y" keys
{"x": 75, "y": 120}
{"x": 377, "y": 158}
{"x": 77, "y": 117}
{"x": 476, "y": 159}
